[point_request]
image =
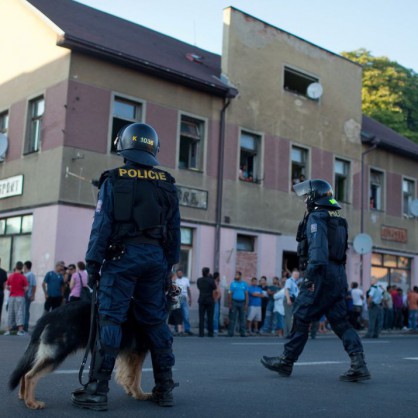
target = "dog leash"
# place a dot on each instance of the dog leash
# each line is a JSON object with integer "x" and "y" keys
{"x": 92, "y": 334}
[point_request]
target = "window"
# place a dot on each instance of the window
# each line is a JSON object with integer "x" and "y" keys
{"x": 15, "y": 240}
{"x": 245, "y": 243}
{"x": 376, "y": 190}
{"x": 392, "y": 270}
{"x": 191, "y": 143}
{"x": 4, "y": 125}
{"x": 342, "y": 180}
{"x": 124, "y": 112}
{"x": 296, "y": 81}
{"x": 249, "y": 162}
{"x": 408, "y": 195}
{"x": 186, "y": 251}
{"x": 36, "y": 113}
{"x": 299, "y": 165}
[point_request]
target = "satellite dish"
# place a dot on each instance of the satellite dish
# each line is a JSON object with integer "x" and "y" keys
{"x": 314, "y": 91}
{"x": 362, "y": 243}
{"x": 3, "y": 144}
{"x": 413, "y": 207}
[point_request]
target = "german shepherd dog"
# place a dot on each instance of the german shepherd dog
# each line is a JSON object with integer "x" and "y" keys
{"x": 64, "y": 331}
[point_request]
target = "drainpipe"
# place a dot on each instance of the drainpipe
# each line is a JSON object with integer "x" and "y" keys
{"x": 375, "y": 143}
{"x": 219, "y": 189}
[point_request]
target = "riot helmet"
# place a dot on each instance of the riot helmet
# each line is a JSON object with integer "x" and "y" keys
{"x": 138, "y": 142}
{"x": 318, "y": 193}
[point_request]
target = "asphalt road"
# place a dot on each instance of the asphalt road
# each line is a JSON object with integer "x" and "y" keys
{"x": 223, "y": 377}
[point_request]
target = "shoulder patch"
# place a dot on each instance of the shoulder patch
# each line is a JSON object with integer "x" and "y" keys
{"x": 314, "y": 228}
{"x": 99, "y": 206}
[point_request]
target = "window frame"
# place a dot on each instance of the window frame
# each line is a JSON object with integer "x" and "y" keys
{"x": 251, "y": 238}
{"x": 4, "y": 128}
{"x": 298, "y": 73}
{"x": 347, "y": 188}
{"x": 258, "y": 155}
{"x": 307, "y": 163}
{"x": 382, "y": 187}
{"x": 201, "y": 143}
{"x": 406, "y": 212}
{"x": 127, "y": 99}
{"x": 33, "y": 141}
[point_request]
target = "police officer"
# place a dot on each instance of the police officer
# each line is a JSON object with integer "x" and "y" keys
{"x": 322, "y": 244}
{"x": 134, "y": 242}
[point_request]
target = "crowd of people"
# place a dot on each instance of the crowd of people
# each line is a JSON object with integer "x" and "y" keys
{"x": 62, "y": 285}
{"x": 382, "y": 308}
{"x": 264, "y": 307}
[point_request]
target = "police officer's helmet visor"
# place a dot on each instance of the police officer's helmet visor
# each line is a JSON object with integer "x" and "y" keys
{"x": 302, "y": 189}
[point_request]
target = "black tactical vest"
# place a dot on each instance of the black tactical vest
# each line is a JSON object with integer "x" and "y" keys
{"x": 142, "y": 201}
{"x": 337, "y": 239}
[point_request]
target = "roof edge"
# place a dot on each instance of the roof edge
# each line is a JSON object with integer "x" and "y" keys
{"x": 74, "y": 43}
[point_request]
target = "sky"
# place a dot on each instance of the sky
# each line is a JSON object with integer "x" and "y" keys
{"x": 384, "y": 27}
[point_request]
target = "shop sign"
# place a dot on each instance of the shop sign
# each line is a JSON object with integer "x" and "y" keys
{"x": 391, "y": 233}
{"x": 194, "y": 198}
{"x": 12, "y": 186}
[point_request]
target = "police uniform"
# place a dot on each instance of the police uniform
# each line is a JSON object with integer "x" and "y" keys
{"x": 326, "y": 236}
{"x": 135, "y": 240}
{"x": 322, "y": 244}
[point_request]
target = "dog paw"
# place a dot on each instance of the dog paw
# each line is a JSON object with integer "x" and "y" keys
{"x": 141, "y": 396}
{"x": 35, "y": 405}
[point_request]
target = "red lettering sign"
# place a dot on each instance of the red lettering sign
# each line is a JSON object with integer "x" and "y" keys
{"x": 391, "y": 233}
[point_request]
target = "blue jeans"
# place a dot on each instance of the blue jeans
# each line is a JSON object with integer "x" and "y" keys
{"x": 412, "y": 323}
{"x": 375, "y": 321}
{"x": 237, "y": 310}
{"x": 184, "y": 306}
{"x": 27, "y": 313}
{"x": 270, "y": 318}
{"x": 216, "y": 313}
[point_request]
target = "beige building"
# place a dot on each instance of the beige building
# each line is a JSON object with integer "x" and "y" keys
{"x": 236, "y": 132}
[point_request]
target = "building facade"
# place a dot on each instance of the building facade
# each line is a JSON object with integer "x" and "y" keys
{"x": 236, "y": 131}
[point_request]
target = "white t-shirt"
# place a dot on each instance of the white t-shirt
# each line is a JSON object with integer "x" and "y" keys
{"x": 278, "y": 301}
{"x": 356, "y": 296}
{"x": 183, "y": 283}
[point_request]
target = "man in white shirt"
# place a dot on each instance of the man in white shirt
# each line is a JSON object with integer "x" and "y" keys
{"x": 357, "y": 297}
{"x": 185, "y": 299}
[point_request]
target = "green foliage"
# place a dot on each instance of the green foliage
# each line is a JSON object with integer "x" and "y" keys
{"x": 390, "y": 92}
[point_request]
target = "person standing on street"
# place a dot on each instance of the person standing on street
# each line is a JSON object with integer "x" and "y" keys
{"x": 185, "y": 299}
{"x": 291, "y": 291}
{"x": 3, "y": 279}
{"x": 30, "y": 293}
{"x": 134, "y": 243}
{"x": 322, "y": 244}
{"x": 375, "y": 309}
{"x": 238, "y": 304}
{"x": 206, "y": 286}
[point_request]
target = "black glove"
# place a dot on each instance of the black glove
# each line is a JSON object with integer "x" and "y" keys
{"x": 93, "y": 280}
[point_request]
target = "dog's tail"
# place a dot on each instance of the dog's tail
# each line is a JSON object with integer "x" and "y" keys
{"x": 24, "y": 365}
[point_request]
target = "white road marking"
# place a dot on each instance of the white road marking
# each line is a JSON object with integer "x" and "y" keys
{"x": 411, "y": 358}
{"x": 86, "y": 371}
{"x": 317, "y": 363}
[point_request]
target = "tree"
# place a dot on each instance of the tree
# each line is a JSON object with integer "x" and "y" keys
{"x": 389, "y": 92}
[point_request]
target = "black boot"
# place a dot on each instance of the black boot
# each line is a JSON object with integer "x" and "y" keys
{"x": 92, "y": 396}
{"x": 162, "y": 393}
{"x": 281, "y": 365}
{"x": 358, "y": 370}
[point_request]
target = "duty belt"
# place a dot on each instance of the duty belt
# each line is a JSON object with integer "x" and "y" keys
{"x": 142, "y": 239}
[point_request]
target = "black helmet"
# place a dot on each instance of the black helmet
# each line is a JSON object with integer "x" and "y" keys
{"x": 318, "y": 192}
{"x": 138, "y": 142}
